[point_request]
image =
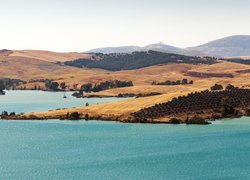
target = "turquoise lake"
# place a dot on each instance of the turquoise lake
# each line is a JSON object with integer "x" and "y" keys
{"x": 44, "y": 150}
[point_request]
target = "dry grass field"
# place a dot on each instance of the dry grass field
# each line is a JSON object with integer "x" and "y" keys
{"x": 30, "y": 68}
{"x": 116, "y": 110}
{"x": 32, "y": 65}
{"x": 49, "y": 55}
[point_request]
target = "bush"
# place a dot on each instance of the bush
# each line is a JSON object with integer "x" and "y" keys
{"x": 217, "y": 87}
{"x": 197, "y": 120}
{"x": 175, "y": 121}
{"x": 247, "y": 112}
{"x": 230, "y": 87}
{"x": 12, "y": 114}
{"x": 74, "y": 116}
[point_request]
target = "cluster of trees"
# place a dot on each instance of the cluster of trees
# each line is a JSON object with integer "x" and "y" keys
{"x": 6, "y": 83}
{"x": 219, "y": 87}
{"x": 135, "y": 60}
{"x": 5, "y": 114}
{"x": 239, "y": 60}
{"x": 105, "y": 85}
{"x": 173, "y": 83}
{"x": 209, "y": 75}
{"x": 75, "y": 116}
{"x": 55, "y": 86}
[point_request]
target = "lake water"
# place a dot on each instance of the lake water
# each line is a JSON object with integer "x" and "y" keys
{"x": 108, "y": 150}
{"x": 32, "y": 101}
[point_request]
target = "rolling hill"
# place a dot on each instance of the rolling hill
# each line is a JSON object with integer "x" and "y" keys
{"x": 233, "y": 46}
{"x": 136, "y": 60}
{"x": 48, "y": 55}
{"x": 160, "y": 47}
{"x": 30, "y": 68}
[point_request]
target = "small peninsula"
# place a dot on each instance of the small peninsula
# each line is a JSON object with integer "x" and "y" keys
{"x": 192, "y": 108}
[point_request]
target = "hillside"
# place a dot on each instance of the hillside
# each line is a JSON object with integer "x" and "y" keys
{"x": 159, "y": 67}
{"x": 143, "y": 78}
{"x": 48, "y": 55}
{"x": 136, "y": 60}
{"x": 30, "y": 68}
{"x": 233, "y": 46}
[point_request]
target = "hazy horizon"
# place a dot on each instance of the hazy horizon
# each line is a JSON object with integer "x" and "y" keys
{"x": 64, "y": 26}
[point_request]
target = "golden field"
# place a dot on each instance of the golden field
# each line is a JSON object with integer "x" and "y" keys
{"x": 48, "y": 55}
{"x": 19, "y": 65}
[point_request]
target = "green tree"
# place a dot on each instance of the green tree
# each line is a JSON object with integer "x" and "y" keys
{"x": 63, "y": 85}
{"x": 230, "y": 87}
{"x": 217, "y": 87}
{"x": 86, "y": 87}
{"x": 2, "y": 86}
{"x": 226, "y": 108}
{"x": 54, "y": 86}
{"x": 184, "y": 81}
{"x": 50, "y": 85}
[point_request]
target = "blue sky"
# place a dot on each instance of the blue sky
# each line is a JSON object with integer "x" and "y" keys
{"x": 79, "y": 25}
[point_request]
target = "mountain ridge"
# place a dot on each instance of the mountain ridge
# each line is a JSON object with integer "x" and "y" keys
{"x": 160, "y": 47}
{"x": 231, "y": 46}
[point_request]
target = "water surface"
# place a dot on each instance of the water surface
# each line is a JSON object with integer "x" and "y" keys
{"x": 108, "y": 150}
{"x": 32, "y": 101}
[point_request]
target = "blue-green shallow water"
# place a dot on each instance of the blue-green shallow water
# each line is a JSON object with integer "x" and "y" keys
{"x": 108, "y": 150}
{"x": 31, "y": 101}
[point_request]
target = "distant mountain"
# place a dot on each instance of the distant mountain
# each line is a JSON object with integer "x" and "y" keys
{"x": 233, "y": 46}
{"x": 121, "y": 49}
{"x": 160, "y": 47}
{"x": 129, "y": 49}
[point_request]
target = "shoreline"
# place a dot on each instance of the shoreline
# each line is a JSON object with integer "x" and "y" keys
{"x": 207, "y": 121}
{"x": 203, "y": 119}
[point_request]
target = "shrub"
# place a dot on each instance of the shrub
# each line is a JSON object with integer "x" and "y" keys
{"x": 217, "y": 87}
{"x": 175, "y": 121}
{"x": 74, "y": 116}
